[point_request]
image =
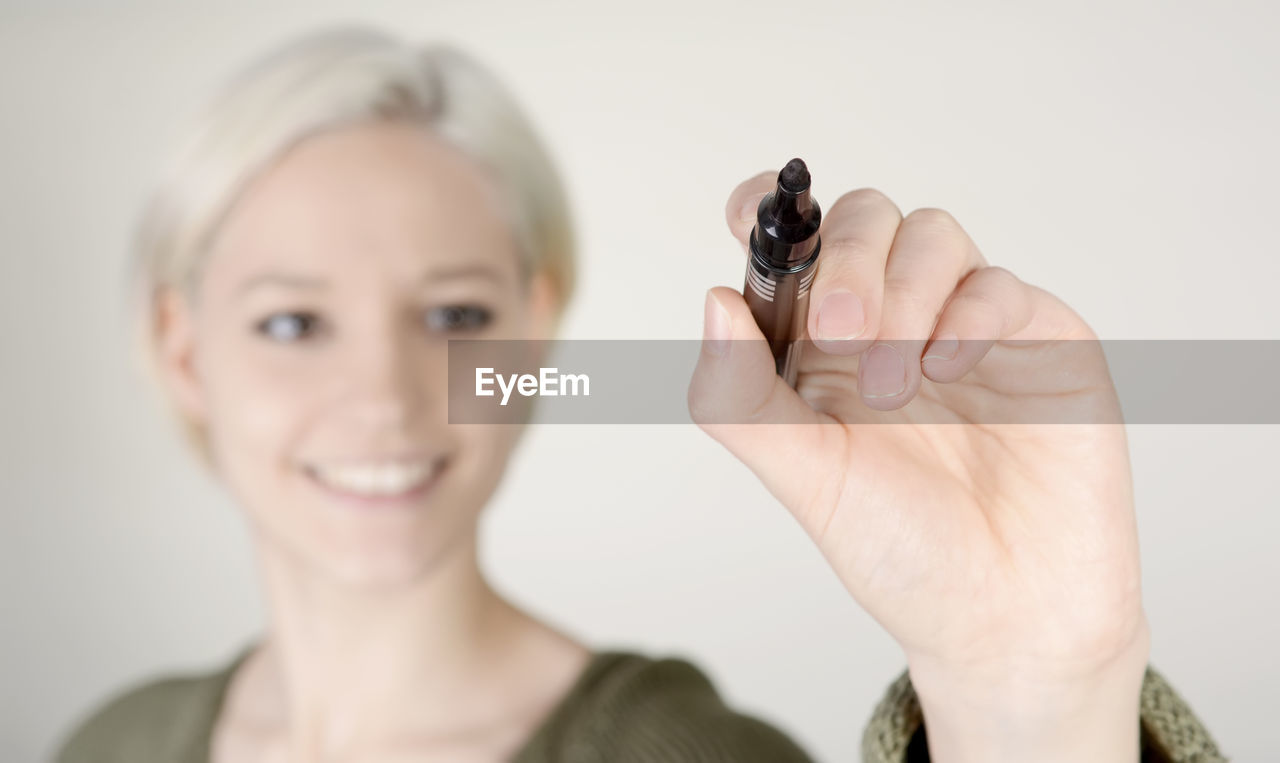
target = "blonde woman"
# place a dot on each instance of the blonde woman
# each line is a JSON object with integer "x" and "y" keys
{"x": 347, "y": 205}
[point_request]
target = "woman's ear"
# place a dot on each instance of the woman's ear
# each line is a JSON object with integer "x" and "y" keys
{"x": 544, "y": 306}
{"x": 174, "y": 326}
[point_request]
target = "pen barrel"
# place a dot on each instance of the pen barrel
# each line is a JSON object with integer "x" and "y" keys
{"x": 779, "y": 302}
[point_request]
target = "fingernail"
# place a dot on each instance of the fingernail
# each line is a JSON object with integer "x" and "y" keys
{"x": 840, "y": 316}
{"x": 944, "y": 347}
{"x": 748, "y": 213}
{"x": 717, "y": 327}
{"x": 883, "y": 372}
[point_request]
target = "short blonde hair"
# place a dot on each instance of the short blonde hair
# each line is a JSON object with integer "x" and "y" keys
{"x": 324, "y": 81}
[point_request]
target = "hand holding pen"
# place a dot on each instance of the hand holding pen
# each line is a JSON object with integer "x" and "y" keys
{"x": 1003, "y": 558}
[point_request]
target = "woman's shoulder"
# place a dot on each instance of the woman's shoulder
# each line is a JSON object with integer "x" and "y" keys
{"x": 167, "y": 717}
{"x": 631, "y": 706}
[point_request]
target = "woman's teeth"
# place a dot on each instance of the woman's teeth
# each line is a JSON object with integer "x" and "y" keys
{"x": 374, "y": 479}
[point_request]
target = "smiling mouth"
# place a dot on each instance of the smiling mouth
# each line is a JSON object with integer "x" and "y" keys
{"x": 376, "y": 483}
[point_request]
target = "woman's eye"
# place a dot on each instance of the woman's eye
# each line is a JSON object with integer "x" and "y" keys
{"x": 458, "y": 318}
{"x": 288, "y": 327}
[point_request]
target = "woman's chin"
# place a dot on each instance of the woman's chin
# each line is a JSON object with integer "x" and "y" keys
{"x": 377, "y": 568}
{"x": 366, "y": 556}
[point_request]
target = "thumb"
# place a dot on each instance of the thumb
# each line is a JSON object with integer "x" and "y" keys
{"x": 737, "y": 397}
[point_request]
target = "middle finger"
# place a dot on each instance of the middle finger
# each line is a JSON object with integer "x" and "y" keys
{"x": 931, "y": 253}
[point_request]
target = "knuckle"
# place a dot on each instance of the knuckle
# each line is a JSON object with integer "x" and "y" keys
{"x": 864, "y": 197}
{"x": 933, "y": 219}
{"x": 1000, "y": 285}
{"x": 969, "y": 301}
{"x": 995, "y": 293}
{"x": 1001, "y": 277}
{"x": 844, "y": 250}
{"x": 902, "y": 296}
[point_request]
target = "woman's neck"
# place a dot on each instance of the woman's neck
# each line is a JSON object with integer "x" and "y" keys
{"x": 343, "y": 666}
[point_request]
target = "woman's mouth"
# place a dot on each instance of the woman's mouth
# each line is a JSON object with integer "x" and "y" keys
{"x": 378, "y": 483}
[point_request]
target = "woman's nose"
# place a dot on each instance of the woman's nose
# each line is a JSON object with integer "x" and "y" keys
{"x": 394, "y": 379}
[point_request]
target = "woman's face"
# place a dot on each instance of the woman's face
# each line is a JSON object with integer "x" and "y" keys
{"x": 315, "y": 353}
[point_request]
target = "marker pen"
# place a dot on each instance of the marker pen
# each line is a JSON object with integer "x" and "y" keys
{"x": 784, "y": 246}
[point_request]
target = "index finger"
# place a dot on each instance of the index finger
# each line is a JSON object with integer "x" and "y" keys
{"x": 740, "y": 210}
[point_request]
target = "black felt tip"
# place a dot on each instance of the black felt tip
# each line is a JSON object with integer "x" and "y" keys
{"x": 794, "y": 177}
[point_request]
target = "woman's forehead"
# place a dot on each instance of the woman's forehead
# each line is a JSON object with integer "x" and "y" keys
{"x": 367, "y": 196}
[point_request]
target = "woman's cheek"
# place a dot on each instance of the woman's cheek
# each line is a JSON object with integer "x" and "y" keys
{"x": 257, "y": 404}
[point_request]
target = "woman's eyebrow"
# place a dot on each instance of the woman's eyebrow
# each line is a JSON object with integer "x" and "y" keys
{"x": 290, "y": 280}
{"x": 463, "y": 271}
{"x": 280, "y": 279}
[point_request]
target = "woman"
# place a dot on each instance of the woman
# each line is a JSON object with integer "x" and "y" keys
{"x": 349, "y": 204}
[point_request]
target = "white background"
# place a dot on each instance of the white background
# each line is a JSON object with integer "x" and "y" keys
{"x": 1122, "y": 155}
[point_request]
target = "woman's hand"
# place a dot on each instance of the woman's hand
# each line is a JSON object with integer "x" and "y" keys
{"x": 1002, "y": 557}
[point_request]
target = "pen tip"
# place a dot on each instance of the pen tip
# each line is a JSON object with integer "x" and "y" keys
{"x": 794, "y": 177}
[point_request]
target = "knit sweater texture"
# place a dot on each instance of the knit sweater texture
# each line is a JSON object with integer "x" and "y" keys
{"x": 625, "y": 707}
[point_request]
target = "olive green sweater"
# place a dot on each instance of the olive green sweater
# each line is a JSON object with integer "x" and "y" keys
{"x": 624, "y": 708}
